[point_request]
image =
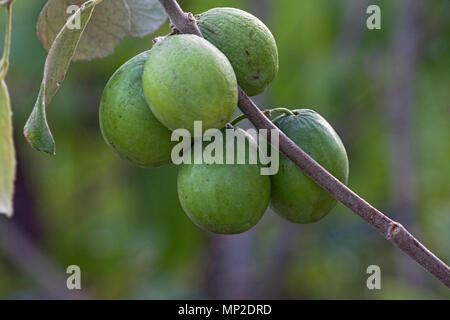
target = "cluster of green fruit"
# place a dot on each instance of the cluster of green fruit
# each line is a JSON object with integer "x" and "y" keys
{"x": 185, "y": 78}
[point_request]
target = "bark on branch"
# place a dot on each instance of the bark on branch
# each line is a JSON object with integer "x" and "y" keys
{"x": 391, "y": 230}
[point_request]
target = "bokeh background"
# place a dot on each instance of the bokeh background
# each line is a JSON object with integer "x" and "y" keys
{"x": 387, "y": 94}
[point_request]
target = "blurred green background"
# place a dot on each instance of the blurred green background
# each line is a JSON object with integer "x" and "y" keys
{"x": 387, "y": 94}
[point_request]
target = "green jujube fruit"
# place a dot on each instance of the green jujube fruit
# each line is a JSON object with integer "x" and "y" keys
{"x": 248, "y": 44}
{"x": 126, "y": 121}
{"x": 224, "y": 198}
{"x": 187, "y": 79}
{"x": 295, "y": 196}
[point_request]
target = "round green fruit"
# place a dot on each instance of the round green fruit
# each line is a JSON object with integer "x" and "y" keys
{"x": 126, "y": 121}
{"x": 248, "y": 44}
{"x": 224, "y": 198}
{"x": 295, "y": 196}
{"x": 187, "y": 79}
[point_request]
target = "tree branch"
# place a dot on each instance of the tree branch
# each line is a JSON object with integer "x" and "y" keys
{"x": 391, "y": 230}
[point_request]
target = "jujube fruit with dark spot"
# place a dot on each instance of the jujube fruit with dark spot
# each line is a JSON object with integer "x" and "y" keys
{"x": 248, "y": 44}
{"x": 295, "y": 196}
{"x": 126, "y": 121}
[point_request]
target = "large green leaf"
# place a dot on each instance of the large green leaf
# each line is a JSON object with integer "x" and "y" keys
{"x": 146, "y": 17}
{"x": 7, "y": 153}
{"x": 99, "y": 31}
{"x": 57, "y": 63}
{"x": 111, "y": 21}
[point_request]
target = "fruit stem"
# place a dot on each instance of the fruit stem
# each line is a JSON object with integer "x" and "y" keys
{"x": 269, "y": 113}
{"x": 391, "y": 230}
{"x": 238, "y": 119}
{"x": 279, "y": 111}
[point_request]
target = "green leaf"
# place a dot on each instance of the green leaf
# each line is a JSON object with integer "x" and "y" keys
{"x": 111, "y": 21}
{"x": 7, "y": 153}
{"x": 146, "y": 17}
{"x": 56, "y": 65}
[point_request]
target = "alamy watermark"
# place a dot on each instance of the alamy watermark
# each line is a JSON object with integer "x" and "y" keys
{"x": 374, "y": 280}
{"x": 374, "y": 20}
{"x": 74, "y": 280}
{"x": 74, "y": 21}
{"x": 241, "y": 147}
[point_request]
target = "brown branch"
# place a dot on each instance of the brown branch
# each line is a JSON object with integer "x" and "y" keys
{"x": 391, "y": 230}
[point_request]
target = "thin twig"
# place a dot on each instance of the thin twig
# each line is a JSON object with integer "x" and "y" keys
{"x": 269, "y": 113}
{"x": 391, "y": 230}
